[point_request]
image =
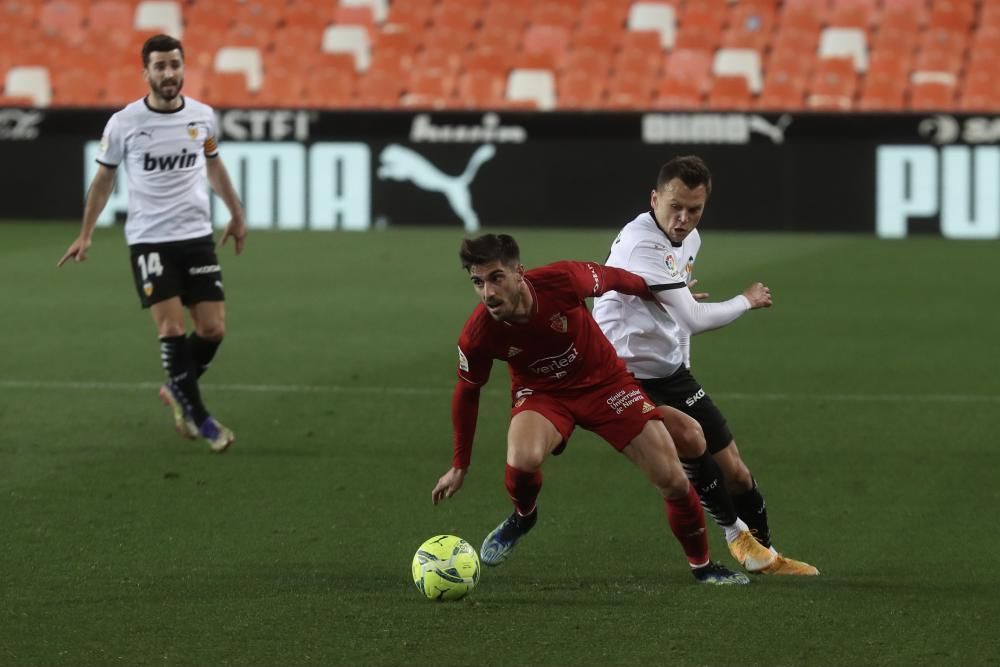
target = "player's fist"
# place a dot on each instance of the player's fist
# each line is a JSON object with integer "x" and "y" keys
{"x": 759, "y": 296}
{"x": 77, "y": 251}
{"x": 448, "y": 485}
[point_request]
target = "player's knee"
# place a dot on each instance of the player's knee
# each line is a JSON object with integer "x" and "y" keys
{"x": 689, "y": 440}
{"x": 527, "y": 459}
{"x": 213, "y": 331}
{"x": 673, "y": 486}
{"x": 170, "y": 329}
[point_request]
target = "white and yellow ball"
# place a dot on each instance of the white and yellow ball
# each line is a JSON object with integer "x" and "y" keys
{"x": 445, "y": 567}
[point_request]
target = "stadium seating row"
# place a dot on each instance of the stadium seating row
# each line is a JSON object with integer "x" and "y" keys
{"x": 573, "y": 54}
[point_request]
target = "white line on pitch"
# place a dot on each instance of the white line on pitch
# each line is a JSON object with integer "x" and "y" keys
{"x": 418, "y": 391}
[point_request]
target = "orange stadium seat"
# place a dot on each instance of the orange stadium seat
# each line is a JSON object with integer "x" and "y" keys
{"x": 481, "y": 60}
{"x": 257, "y": 15}
{"x": 580, "y": 90}
{"x": 596, "y": 40}
{"x": 606, "y": 17}
{"x": 794, "y": 66}
{"x": 980, "y": 96}
{"x": 691, "y": 65}
{"x": 833, "y": 85}
{"x": 282, "y": 88}
{"x": 800, "y": 19}
{"x": 932, "y": 97}
{"x": 957, "y": 16}
{"x": 437, "y": 58}
{"x": 679, "y": 94}
{"x": 415, "y": 16}
{"x": 74, "y": 87}
{"x": 729, "y": 92}
{"x": 627, "y": 90}
{"x": 504, "y": 16}
{"x": 62, "y": 20}
{"x": 781, "y": 92}
{"x": 460, "y": 17}
{"x": 355, "y": 15}
{"x": 481, "y": 88}
{"x": 553, "y": 13}
{"x": 640, "y": 52}
{"x": 380, "y": 89}
{"x": 110, "y": 17}
{"x": 698, "y": 32}
{"x": 332, "y": 87}
{"x": 588, "y": 62}
{"x": 428, "y": 89}
{"x": 553, "y": 39}
{"x": 226, "y": 89}
{"x": 497, "y": 39}
{"x": 907, "y": 15}
{"x": 750, "y": 27}
{"x": 989, "y": 15}
{"x": 853, "y": 14}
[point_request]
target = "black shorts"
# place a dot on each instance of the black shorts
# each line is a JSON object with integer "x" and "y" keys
{"x": 682, "y": 391}
{"x": 187, "y": 269}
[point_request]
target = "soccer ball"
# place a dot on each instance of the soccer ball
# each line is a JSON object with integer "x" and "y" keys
{"x": 445, "y": 567}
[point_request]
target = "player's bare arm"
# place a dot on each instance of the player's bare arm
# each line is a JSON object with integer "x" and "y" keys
{"x": 219, "y": 179}
{"x": 97, "y": 199}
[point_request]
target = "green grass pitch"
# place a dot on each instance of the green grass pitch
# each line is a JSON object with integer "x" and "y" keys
{"x": 865, "y": 402}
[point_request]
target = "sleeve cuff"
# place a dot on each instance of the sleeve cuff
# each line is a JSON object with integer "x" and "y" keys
{"x": 106, "y": 164}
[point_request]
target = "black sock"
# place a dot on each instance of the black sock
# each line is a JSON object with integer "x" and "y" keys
{"x": 202, "y": 351}
{"x": 176, "y": 356}
{"x": 753, "y": 510}
{"x": 706, "y": 477}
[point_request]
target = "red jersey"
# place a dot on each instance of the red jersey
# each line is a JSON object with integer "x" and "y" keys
{"x": 561, "y": 346}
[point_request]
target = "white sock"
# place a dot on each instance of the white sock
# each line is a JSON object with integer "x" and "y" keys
{"x": 733, "y": 531}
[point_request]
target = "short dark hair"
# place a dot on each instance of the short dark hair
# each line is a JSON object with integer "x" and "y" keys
{"x": 160, "y": 43}
{"x": 691, "y": 169}
{"x": 489, "y": 248}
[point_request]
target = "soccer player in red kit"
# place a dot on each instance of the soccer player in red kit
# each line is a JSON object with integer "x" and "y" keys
{"x": 564, "y": 373}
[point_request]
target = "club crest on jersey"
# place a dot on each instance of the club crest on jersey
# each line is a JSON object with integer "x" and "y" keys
{"x": 147, "y": 287}
{"x": 197, "y": 131}
{"x": 689, "y": 267}
{"x": 513, "y": 351}
{"x": 559, "y": 323}
{"x": 671, "y": 264}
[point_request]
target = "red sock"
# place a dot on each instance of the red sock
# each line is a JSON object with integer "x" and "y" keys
{"x": 687, "y": 521}
{"x": 523, "y": 488}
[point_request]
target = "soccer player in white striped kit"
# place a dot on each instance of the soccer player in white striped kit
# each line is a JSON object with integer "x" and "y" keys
{"x": 168, "y": 144}
{"x": 661, "y": 245}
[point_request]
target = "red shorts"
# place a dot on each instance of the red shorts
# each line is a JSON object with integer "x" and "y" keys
{"x": 616, "y": 410}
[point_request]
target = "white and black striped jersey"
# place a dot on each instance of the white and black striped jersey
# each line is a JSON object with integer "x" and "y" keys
{"x": 164, "y": 154}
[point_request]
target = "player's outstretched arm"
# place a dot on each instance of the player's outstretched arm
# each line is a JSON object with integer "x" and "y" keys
{"x": 698, "y": 317}
{"x": 464, "y": 414}
{"x": 219, "y": 179}
{"x": 97, "y": 199}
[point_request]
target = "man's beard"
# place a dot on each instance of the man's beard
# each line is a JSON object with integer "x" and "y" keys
{"x": 158, "y": 89}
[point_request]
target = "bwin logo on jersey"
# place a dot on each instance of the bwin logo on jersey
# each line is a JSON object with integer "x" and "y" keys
{"x": 399, "y": 163}
{"x": 168, "y": 162}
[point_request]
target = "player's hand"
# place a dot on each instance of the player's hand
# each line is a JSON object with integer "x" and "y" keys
{"x": 448, "y": 485}
{"x": 237, "y": 229}
{"x": 698, "y": 296}
{"x": 759, "y": 296}
{"x": 77, "y": 251}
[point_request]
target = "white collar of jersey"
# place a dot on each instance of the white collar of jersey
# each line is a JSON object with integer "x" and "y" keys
{"x": 145, "y": 100}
